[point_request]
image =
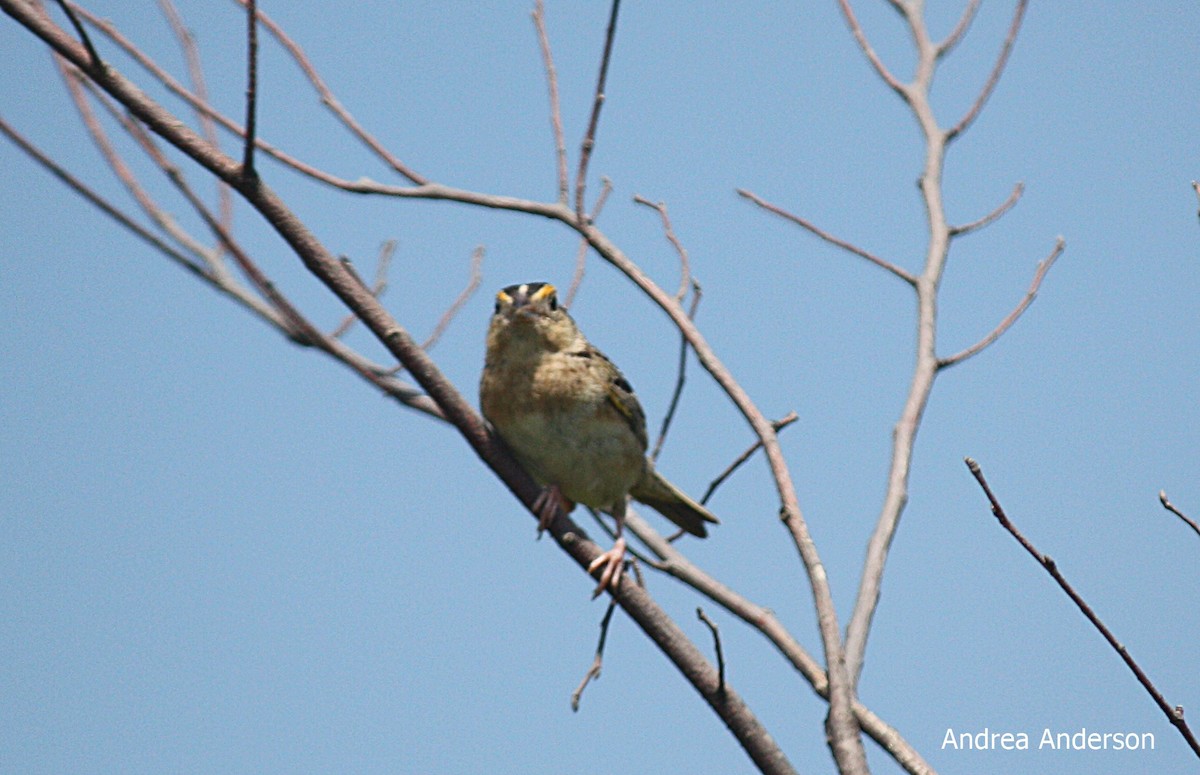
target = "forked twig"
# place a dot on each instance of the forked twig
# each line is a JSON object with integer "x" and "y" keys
{"x": 1171, "y": 507}
{"x": 1174, "y": 715}
{"x": 1042, "y": 268}
{"x": 593, "y": 672}
{"x": 903, "y": 274}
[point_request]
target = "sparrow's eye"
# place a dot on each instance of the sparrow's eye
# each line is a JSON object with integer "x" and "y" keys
{"x": 553, "y": 302}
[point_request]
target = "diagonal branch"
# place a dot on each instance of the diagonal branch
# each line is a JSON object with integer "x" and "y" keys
{"x": 1042, "y": 268}
{"x": 330, "y": 101}
{"x": 872, "y": 57}
{"x": 664, "y": 632}
{"x": 994, "y": 76}
{"x": 960, "y": 29}
{"x": 1162, "y": 497}
{"x": 208, "y": 127}
{"x": 991, "y": 217}
{"x": 1174, "y": 715}
{"x": 903, "y": 274}
{"x": 589, "y": 140}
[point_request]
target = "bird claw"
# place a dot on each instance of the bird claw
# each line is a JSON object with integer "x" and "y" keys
{"x": 611, "y": 562}
{"x": 547, "y": 504}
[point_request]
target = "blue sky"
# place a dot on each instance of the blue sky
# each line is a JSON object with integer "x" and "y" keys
{"x": 224, "y": 553}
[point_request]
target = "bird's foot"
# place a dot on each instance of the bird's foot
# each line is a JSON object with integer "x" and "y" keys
{"x": 610, "y": 564}
{"x": 548, "y": 502}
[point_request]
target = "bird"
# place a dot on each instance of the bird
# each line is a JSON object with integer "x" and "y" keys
{"x": 573, "y": 421}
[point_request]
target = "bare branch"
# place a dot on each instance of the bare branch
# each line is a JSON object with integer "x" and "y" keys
{"x": 208, "y": 127}
{"x": 903, "y": 274}
{"x": 463, "y": 297}
{"x": 593, "y": 672}
{"x": 1162, "y": 497}
{"x": 763, "y": 620}
{"x": 589, "y": 140}
{"x": 103, "y": 204}
{"x": 716, "y": 633}
{"x": 1176, "y": 718}
{"x": 1196, "y": 188}
{"x": 73, "y": 78}
{"x": 330, "y": 101}
{"x": 991, "y": 217}
{"x": 994, "y": 76}
{"x": 960, "y": 29}
{"x": 1042, "y": 268}
{"x": 382, "y": 264}
{"x": 251, "y": 89}
{"x": 872, "y": 57}
{"x": 685, "y": 271}
{"x": 560, "y": 143}
{"x": 680, "y": 379}
{"x": 778, "y": 425}
{"x": 69, "y": 10}
{"x": 581, "y": 253}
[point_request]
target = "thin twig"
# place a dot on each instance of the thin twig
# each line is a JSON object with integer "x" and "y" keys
{"x": 208, "y": 127}
{"x": 1196, "y": 188}
{"x": 1172, "y": 714}
{"x": 465, "y": 295}
{"x": 330, "y": 101}
{"x": 75, "y": 82}
{"x": 1162, "y": 497}
{"x": 1042, "y": 268}
{"x": 97, "y": 63}
{"x": 991, "y": 217}
{"x": 251, "y": 88}
{"x": 778, "y": 425}
{"x": 872, "y": 57}
{"x": 685, "y": 267}
{"x": 680, "y": 378}
{"x": 581, "y": 253}
{"x": 560, "y": 143}
{"x": 994, "y": 76}
{"x": 109, "y": 209}
{"x": 903, "y": 274}
{"x": 589, "y": 140}
{"x": 674, "y": 563}
{"x": 960, "y": 29}
{"x": 716, "y": 634}
{"x": 593, "y": 672}
{"x": 382, "y": 263}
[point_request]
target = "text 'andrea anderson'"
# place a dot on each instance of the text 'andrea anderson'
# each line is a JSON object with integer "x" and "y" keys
{"x": 1049, "y": 740}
